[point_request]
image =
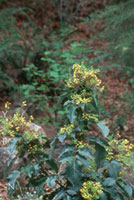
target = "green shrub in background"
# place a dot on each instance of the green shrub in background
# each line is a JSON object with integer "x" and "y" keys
{"x": 45, "y": 89}
{"x": 82, "y": 170}
{"x": 24, "y": 76}
{"x": 16, "y": 51}
{"x": 117, "y": 32}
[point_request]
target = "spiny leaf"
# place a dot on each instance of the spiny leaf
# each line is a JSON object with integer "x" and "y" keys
{"x": 85, "y": 152}
{"x": 66, "y": 157}
{"x": 71, "y": 113}
{"x": 104, "y": 129}
{"x": 109, "y": 182}
{"x": 73, "y": 172}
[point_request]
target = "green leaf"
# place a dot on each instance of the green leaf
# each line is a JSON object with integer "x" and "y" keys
{"x": 114, "y": 169}
{"x": 71, "y": 192}
{"x": 100, "y": 141}
{"x": 31, "y": 169}
{"x": 109, "y": 182}
{"x": 62, "y": 137}
{"x": 51, "y": 181}
{"x": 85, "y": 152}
{"x": 83, "y": 160}
{"x": 12, "y": 144}
{"x": 68, "y": 102}
{"x": 95, "y": 98}
{"x": 73, "y": 172}
{"x": 71, "y": 113}
{"x": 9, "y": 164}
{"x": 99, "y": 155}
{"x": 82, "y": 106}
{"x": 38, "y": 181}
{"x": 103, "y": 196}
{"x": 66, "y": 157}
{"x": 55, "y": 75}
{"x": 104, "y": 129}
{"x": 67, "y": 197}
{"x": 67, "y": 148}
{"x": 60, "y": 195}
{"x": 52, "y": 147}
{"x": 126, "y": 188}
{"x": 13, "y": 176}
{"x": 53, "y": 165}
{"x": 114, "y": 194}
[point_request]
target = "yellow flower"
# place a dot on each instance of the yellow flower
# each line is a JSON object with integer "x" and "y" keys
{"x": 131, "y": 146}
{"x": 81, "y": 145}
{"x": 102, "y": 88}
{"x": 91, "y": 190}
{"x": 12, "y": 135}
{"x": 128, "y": 154}
{"x": 22, "y": 119}
{"x": 98, "y": 83}
{"x": 17, "y": 128}
{"x": 2, "y": 133}
{"x": 31, "y": 117}
{"x": 110, "y": 153}
{"x": 118, "y": 135}
{"x": 90, "y": 116}
{"x": 67, "y": 128}
{"x": 7, "y": 105}
{"x": 83, "y": 77}
{"x": 24, "y": 104}
{"x": 125, "y": 142}
{"x": 27, "y": 124}
{"x": 35, "y": 136}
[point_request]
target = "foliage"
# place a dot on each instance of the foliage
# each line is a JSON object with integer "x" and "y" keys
{"x": 117, "y": 33}
{"x": 11, "y": 125}
{"x": 45, "y": 86}
{"x": 121, "y": 150}
{"x": 16, "y": 50}
{"x": 35, "y": 89}
{"x": 23, "y": 74}
{"x": 84, "y": 171}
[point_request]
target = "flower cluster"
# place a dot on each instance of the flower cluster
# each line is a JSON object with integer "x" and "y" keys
{"x": 119, "y": 149}
{"x": 79, "y": 99}
{"x": 83, "y": 77}
{"x": 30, "y": 135}
{"x": 16, "y": 125}
{"x": 33, "y": 148}
{"x": 83, "y": 83}
{"x": 81, "y": 144}
{"x": 67, "y": 129}
{"x": 7, "y": 105}
{"x": 91, "y": 190}
{"x": 90, "y": 117}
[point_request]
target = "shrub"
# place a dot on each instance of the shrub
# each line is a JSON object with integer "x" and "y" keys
{"x": 18, "y": 46}
{"x": 45, "y": 86}
{"x": 83, "y": 170}
{"x": 117, "y": 33}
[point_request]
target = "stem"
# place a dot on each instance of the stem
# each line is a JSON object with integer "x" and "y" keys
{"x": 20, "y": 188}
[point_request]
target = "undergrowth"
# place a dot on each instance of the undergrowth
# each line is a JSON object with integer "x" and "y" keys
{"x": 87, "y": 166}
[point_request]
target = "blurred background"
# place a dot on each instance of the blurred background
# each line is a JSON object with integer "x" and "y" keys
{"x": 40, "y": 40}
